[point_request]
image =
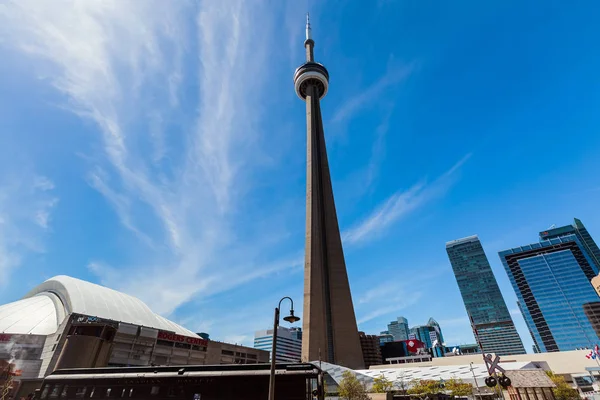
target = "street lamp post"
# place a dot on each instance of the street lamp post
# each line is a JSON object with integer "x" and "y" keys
{"x": 291, "y": 319}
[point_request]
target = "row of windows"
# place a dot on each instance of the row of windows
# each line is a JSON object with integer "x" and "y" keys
{"x": 178, "y": 345}
{"x": 58, "y": 391}
{"x": 238, "y": 354}
{"x": 85, "y": 392}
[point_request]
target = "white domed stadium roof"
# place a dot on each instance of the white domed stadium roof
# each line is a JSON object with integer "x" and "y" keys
{"x": 46, "y": 306}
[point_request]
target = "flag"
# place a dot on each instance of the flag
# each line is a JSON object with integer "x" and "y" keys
{"x": 596, "y": 350}
{"x": 592, "y": 355}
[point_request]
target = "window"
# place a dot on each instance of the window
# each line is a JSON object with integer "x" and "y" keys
{"x": 227, "y": 352}
{"x": 123, "y": 392}
{"x": 154, "y": 390}
{"x": 108, "y": 392}
{"x": 131, "y": 392}
{"x": 92, "y": 391}
{"x": 64, "y": 392}
{"x": 55, "y": 391}
{"x": 80, "y": 392}
{"x": 53, "y": 347}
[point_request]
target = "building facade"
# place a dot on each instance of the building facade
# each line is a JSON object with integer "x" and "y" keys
{"x": 596, "y": 284}
{"x": 431, "y": 336}
{"x": 592, "y": 312}
{"x": 289, "y": 343}
{"x": 70, "y": 323}
{"x": 462, "y": 349}
{"x": 579, "y": 230}
{"x": 385, "y": 337}
{"x": 399, "y": 329}
{"x": 484, "y": 303}
{"x": 552, "y": 282}
{"x": 371, "y": 349}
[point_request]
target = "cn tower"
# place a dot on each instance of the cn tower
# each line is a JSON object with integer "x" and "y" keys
{"x": 329, "y": 324}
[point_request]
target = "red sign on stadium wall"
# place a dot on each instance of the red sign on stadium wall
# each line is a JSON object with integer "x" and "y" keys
{"x": 173, "y": 337}
{"x": 5, "y": 338}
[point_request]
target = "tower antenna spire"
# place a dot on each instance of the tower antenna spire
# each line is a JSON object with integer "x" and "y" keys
{"x": 308, "y": 30}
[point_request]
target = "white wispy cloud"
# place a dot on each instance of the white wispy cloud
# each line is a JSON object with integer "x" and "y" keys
{"x": 123, "y": 65}
{"x": 26, "y": 204}
{"x": 394, "y": 75}
{"x": 400, "y": 204}
{"x": 401, "y": 301}
{"x": 397, "y": 293}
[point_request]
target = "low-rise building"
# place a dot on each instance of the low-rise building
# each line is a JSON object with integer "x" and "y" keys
{"x": 70, "y": 323}
{"x": 370, "y": 348}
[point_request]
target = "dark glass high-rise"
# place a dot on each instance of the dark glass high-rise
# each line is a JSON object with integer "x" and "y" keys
{"x": 482, "y": 297}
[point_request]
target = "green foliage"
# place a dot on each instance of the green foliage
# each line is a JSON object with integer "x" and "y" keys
{"x": 424, "y": 387}
{"x": 458, "y": 388}
{"x": 382, "y": 385}
{"x": 454, "y": 387}
{"x": 351, "y": 388}
{"x": 562, "y": 391}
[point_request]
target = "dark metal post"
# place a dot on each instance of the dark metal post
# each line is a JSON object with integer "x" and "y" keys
{"x": 273, "y": 355}
{"x": 291, "y": 319}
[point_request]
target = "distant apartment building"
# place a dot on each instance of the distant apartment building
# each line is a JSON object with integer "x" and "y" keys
{"x": 552, "y": 282}
{"x": 289, "y": 343}
{"x": 371, "y": 349}
{"x": 385, "y": 337}
{"x": 482, "y": 297}
{"x": 399, "y": 329}
{"x": 462, "y": 349}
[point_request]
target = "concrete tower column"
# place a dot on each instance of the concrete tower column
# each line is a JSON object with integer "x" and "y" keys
{"x": 329, "y": 324}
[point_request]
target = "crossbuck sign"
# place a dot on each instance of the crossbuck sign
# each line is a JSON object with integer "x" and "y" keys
{"x": 492, "y": 364}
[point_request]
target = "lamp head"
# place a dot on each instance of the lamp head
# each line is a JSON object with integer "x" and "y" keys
{"x": 291, "y": 318}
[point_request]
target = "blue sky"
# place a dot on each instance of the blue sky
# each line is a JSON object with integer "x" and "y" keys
{"x": 158, "y": 148}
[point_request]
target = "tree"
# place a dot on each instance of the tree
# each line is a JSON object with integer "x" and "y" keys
{"x": 458, "y": 388}
{"x": 562, "y": 391}
{"x": 382, "y": 385}
{"x": 351, "y": 388}
{"x": 424, "y": 387}
{"x": 401, "y": 382}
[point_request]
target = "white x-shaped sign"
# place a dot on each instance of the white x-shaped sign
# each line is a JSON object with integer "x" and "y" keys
{"x": 492, "y": 364}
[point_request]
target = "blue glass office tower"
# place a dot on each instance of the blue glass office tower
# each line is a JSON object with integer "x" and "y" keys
{"x": 399, "y": 329}
{"x": 431, "y": 335}
{"x": 552, "y": 282}
{"x": 482, "y": 297}
{"x": 579, "y": 230}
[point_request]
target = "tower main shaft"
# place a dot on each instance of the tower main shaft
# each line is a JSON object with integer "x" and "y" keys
{"x": 329, "y": 324}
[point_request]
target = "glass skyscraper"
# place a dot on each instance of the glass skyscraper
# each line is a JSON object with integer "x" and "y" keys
{"x": 431, "y": 335}
{"x": 579, "y": 230}
{"x": 482, "y": 297}
{"x": 399, "y": 329}
{"x": 552, "y": 282}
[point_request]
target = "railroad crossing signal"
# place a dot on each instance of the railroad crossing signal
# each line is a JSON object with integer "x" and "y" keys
{"x": 492, "y": 364}
{"x": 493, "y": 368}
